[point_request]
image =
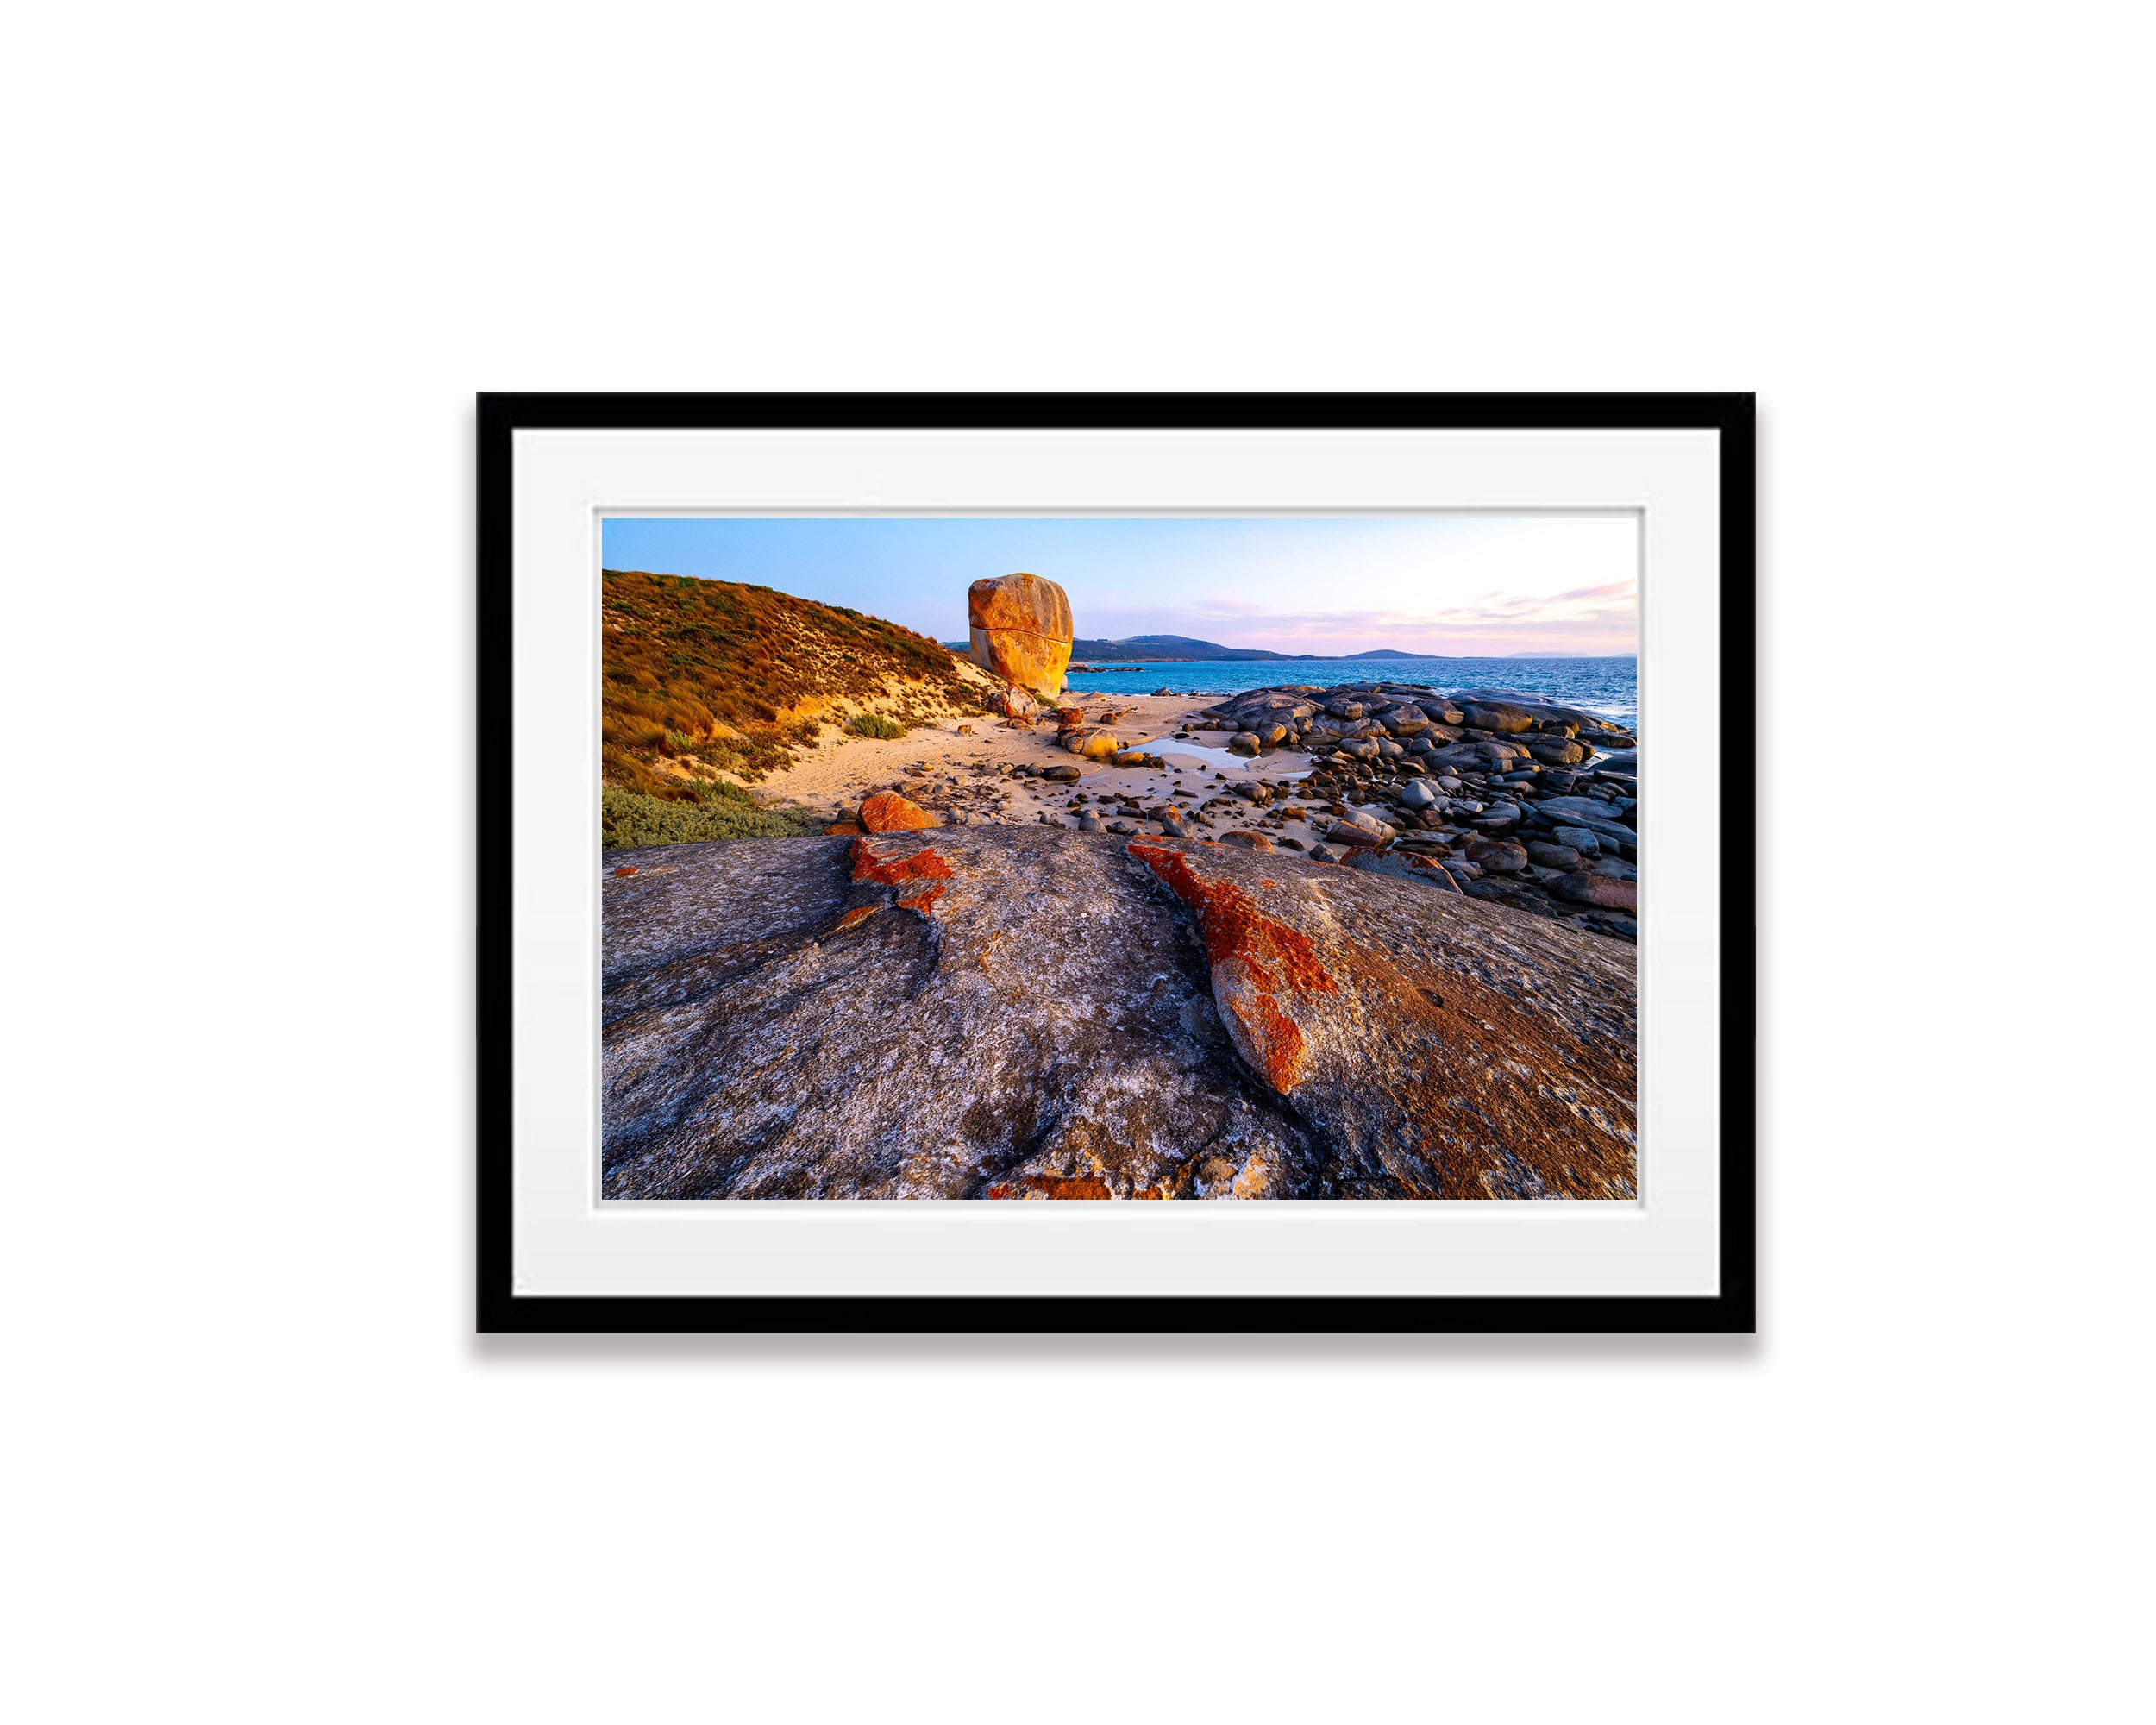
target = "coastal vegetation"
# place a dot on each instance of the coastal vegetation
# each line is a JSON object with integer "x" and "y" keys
{"x": 714, "y": 810}
{"x": 703, "y": 678}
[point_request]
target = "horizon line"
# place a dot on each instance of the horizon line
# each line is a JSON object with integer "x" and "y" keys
{"x": 1363, "y": 653}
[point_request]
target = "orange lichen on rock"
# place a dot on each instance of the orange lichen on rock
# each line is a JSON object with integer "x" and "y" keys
{"x": 1051, "y": 1186}
{"x": 921, "y": 876}
{"x": 888, "y": 811}
{"x": 1255, "y": 959}
{"x": 874, "y": 862}
{"x": 859, "y": 913}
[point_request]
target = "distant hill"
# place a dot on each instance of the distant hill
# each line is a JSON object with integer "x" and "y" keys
{"x": 1168, "y": 649}
{"x": 1172, "y": 650}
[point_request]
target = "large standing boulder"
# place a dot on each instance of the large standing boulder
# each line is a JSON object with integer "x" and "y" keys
{"x": 1021, "y": 631}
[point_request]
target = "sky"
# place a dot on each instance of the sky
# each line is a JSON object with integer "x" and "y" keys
{"x": 1470, "y": 586}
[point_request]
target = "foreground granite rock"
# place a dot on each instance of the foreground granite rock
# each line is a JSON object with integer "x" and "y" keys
{"x": 1017, "y": 1013}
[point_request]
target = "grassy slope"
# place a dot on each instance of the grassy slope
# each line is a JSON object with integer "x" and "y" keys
{"x": 714, "y": 676}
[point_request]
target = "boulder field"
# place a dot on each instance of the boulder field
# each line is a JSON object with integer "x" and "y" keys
{"x": 1014, "y": 1013}
{"x": 1525, "y": 801}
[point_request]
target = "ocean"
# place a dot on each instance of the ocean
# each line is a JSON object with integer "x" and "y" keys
{"x": 1608, "y": 686}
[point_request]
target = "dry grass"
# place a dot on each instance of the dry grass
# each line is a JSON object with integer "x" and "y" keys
{"x": 704, "y": 677}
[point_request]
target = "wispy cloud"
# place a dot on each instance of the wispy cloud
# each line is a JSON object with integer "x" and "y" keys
{"x": 1599, "y": 618}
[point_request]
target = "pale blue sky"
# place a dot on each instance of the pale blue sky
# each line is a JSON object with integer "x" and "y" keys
{"x": 1465, "y": 585}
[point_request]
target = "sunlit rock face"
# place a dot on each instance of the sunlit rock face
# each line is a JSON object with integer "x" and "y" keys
{"x": 1021, "y": 631}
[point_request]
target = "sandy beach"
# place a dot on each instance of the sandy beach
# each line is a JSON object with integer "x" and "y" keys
{"x": 971, "y": 778}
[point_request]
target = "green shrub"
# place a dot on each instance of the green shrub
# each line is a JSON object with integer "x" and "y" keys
{"x": 628, "y": 819}
{"x": 875, "y": 724}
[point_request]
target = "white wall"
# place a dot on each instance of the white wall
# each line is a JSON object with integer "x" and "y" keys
{"x": 261, "y": 259}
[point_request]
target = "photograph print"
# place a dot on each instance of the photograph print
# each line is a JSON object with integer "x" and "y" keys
{"x": 1197, "y": 857}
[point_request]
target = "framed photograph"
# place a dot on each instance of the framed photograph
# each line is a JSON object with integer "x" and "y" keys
{"x": 1163, "y": 862}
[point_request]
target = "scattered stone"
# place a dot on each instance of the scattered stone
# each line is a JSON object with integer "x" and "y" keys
{"x": 1092, "y": 741}
{"x": 1063, "y": 775}
{"x": 1556, "y": 751}
{"x": 1358, "y": 828}
{"x": 1497, "y": 856}
{"x": 1501, "y": 718}
{"x": 1598, "y": 890}
{"x": 1579, "y": 838}
{"x": 1244, "y": 742}
{"x": 1559, "y": 856}
{"x": 1589, "y": 811}
{"x": 1405, "y": 865}
{"x": 888, "y": 811}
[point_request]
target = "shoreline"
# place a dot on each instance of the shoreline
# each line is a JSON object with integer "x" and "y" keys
{"x": 1392, "y": 777}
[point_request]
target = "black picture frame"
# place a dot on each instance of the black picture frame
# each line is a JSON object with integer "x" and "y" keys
{"x": 1732, "y": 1309}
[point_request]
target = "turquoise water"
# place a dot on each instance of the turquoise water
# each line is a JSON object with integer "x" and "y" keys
{"x": 1608, "y": 687}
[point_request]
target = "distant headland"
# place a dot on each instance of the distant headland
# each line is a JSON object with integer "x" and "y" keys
{"x": 1181, "y": 650}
